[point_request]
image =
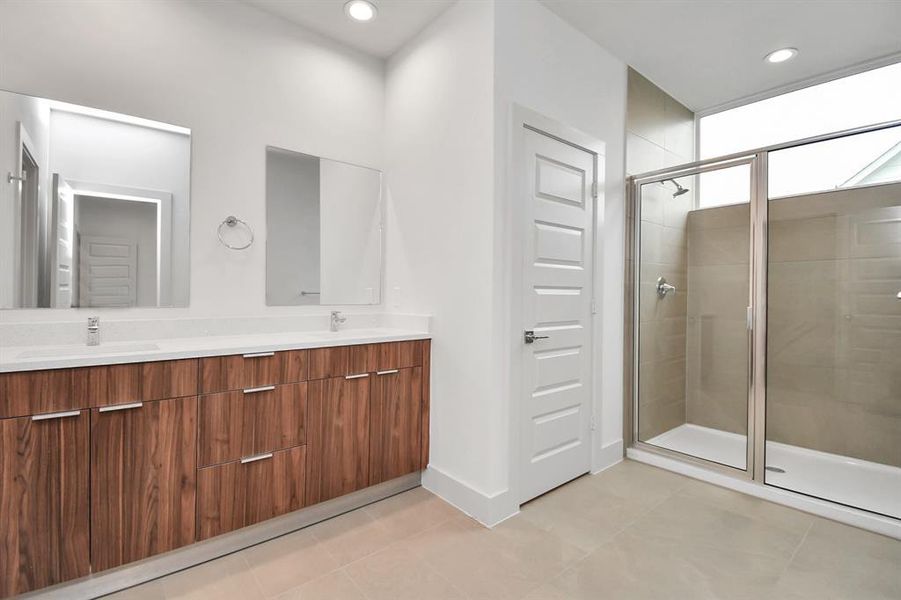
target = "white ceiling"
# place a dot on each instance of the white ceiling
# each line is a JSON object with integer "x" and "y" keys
{"x": 397, "y": 21}
{"x": 710, "y": 53}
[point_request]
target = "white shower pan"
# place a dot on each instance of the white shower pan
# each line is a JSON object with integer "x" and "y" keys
{"x": 849, "y": 481}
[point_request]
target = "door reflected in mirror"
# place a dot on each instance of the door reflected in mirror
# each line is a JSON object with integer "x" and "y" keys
{"x": 96, "y": 207}
{"x": 323, "y": 231}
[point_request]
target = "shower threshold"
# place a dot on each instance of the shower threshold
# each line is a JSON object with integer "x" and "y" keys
{"x": 853, "y": 482}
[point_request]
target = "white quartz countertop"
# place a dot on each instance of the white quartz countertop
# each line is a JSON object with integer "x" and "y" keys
{"x": 33, "y": 358}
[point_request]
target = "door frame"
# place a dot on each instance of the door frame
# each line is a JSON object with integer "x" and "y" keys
{"x": 511, "y": 303}
{"x": 27, "y": 258}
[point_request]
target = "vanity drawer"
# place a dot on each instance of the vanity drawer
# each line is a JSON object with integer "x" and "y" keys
{"x": 340, "y": 361}
{"x": 35, "y": 392}
{"x": 244, "y": 492}
{"x": 138, "y": 382}
{"x": 239, "y": 371}
{"x": 247, "y": 422}
{"x": 399, "y": 355}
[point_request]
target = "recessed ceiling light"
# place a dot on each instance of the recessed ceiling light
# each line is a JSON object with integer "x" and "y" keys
{"x": 781, "y": 55}
{"x": 360, "y": 10}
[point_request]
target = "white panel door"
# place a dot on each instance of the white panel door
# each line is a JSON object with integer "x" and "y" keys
{"x": 557, "y": 278}
{"x": 107, "y": 271}
{"x": 62, "y": 238}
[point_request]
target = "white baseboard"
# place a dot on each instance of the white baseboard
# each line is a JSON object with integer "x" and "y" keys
{"x": 606, "y": 457}
{"x": 487, "y": 510}
{"x": 836, "y": 512}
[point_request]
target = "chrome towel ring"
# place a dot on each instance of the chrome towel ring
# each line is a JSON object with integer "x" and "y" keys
{"x": 233, "y": 221}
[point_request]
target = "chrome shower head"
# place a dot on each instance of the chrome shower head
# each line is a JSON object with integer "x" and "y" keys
{"x": 679, "y": 189}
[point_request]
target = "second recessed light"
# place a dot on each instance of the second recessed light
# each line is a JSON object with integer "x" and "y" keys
{"x": 781, "y": 55}
{"x": 360, "y": 10}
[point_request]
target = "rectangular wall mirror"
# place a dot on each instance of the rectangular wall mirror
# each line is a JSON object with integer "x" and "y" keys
{"x": 95, "y": 207}
{"x": 323, "y": 231}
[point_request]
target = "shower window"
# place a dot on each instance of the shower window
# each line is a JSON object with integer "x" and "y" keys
{"x": 694, "y": 286}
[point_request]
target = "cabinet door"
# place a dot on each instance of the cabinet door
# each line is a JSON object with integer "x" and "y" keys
{"x": 337, "y": 437}
{"x": 43, "y": 501}
{"x": 245, "y": 492}
{"x": 143, "y": 480}
{"x": 395, "y": 424}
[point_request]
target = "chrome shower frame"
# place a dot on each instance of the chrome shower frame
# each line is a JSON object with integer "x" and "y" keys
{"x": 758, "y": 160}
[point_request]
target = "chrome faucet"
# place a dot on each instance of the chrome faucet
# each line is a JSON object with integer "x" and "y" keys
{"x": 336, "y": 320}
{"x": 93, "y": 331}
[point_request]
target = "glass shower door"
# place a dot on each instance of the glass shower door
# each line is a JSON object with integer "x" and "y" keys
{"x": 693, "y": 289}
{"x": 833, "y": 395}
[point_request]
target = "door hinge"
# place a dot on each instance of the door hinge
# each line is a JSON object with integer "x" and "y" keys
{"x": 594, "y": 307}
{"x": 594, "y": 424}
{"x": 594, "y": 189}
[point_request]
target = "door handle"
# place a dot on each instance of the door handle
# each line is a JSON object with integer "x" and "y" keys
{"x": 529, "y": 337}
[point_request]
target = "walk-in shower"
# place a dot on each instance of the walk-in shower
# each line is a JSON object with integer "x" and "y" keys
{"x": 765, "y": 315}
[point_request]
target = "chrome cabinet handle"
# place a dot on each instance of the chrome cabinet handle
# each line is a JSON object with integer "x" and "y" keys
{"x": 258, "y": 354}
{"x": 358, "y": 376}
{"x": 388, "y": 372}
{"x": 116, "y": 407}
{"x": 57, "y": 415}
{"x": 529, "y": 337}
{"x": 255, "y": 458}
{"x": 265, "y": 388}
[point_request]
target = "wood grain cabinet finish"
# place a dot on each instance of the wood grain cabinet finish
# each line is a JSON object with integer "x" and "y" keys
{"x": 238, "y": 424}
{"x": 395, "y": 424}
{"x": 238, "y": 494}
{"x": 44, "y": 499}
{"x": 337, "y": 437}
{"x": 365, "y": 358}
{"x": 138, "y": 382}
{"x": 143, "y": 480}
{"x": 239, "y": 371}
{"x": 35, "y": 392}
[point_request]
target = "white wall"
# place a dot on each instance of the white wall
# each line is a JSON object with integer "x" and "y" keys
{"x": 239, "y": 78}
{"x": 440, "y": 178}
{"x": 544, "y": 64}
{"x": 449, "y": 104}
{"x": 96, "y": 151}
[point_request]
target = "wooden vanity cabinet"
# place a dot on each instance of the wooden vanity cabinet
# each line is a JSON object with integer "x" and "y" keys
{"x": 337, "y": 436}
{"x": 105, "y": 465}
{"x": 44, "y": 499}
{"x": 395, "y": 424}
{"x": 143, "y": 480}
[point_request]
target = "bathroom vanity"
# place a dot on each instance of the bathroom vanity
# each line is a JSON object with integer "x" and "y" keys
{"x": 139, "y": 455}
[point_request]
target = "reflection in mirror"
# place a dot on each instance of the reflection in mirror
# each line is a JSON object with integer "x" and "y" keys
{"x": 323, "y": 231}
{"x": 95, "y": 209}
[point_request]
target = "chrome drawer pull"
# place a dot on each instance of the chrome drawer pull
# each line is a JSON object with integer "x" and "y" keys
{"x": 359, "y": 376}
{"x": 265, "y": 388}
{"x": 59, "y": 415}
{"x": 258, "y": 354}
{"x": 121, "y": 407}
{"x": 388, "y": 372}
{"x": 251, "y": 459}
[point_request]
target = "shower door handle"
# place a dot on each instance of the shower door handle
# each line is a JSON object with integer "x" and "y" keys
{"x": 898, "y": 296}
{"x": 663, "y": 288}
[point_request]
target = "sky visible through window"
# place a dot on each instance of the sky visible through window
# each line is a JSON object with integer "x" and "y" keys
{"x": 863, "y": 99}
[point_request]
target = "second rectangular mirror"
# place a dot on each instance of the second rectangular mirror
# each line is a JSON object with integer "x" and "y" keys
{"x": 323, "y": 231}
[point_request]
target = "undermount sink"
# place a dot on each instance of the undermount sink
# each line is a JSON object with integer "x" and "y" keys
{"x": 88, "y": 350}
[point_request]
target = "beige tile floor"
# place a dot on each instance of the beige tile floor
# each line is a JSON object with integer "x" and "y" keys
{"x": 631, "y": 532}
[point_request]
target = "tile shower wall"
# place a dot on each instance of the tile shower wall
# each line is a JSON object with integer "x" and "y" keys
{"x": 834, "y": 328}
{"x": 716, "y": 392}
{"x": 660, "y": 133}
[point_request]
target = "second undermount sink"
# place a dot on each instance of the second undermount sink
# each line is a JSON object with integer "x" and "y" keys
{"x": 88, "y": 350}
